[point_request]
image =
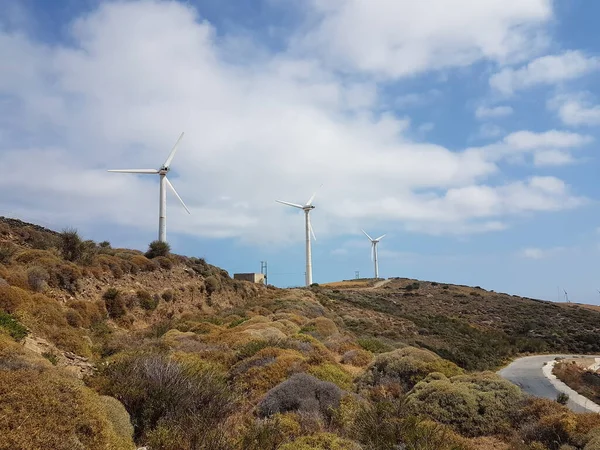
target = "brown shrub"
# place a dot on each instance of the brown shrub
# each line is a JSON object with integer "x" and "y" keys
{"x": 143, "y": 264}
{"x": 43, "y": 410}
{"x": 91, "y": 313}
{"x": 37, "y": 278}
{"x": 12, "y": 298}
{"x": 115, "y": 305}
{"x": 358, "y": 358}
{"x": 164, "y": 262}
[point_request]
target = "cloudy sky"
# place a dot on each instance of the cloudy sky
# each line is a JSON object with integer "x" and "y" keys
{"x": 466, "y": 131}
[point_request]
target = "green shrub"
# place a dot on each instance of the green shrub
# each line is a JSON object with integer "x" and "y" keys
{"x": 52, "y": 357}
{"x": 147, "y": 301}
{"x": 562, "y": 398}
{"x": 9, "y": 324}
{"x": 474, "y": 405}
{"x": 321, "y": 441}
{"x": 406, "y": 367}
{"x": 158, "y": 248}
{"x": 374, "y": 345}
{"x": 115, "y": 305}
{"x": 168, "y": 295}
{"x": 71, "y": 246}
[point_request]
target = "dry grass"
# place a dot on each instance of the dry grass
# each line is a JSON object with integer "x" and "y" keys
{"x": 578, "y": 378}
{"x": 349, "y": 284}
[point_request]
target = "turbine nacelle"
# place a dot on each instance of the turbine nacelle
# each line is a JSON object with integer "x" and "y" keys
{"x": 162, "y": 171}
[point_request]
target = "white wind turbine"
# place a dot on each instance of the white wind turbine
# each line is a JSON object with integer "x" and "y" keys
{"x": 374, "y": 243}
{"x": 308, "y": 231}
{"x": 164, "y": 181}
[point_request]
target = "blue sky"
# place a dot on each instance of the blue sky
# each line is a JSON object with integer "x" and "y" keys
{"x": 464, "y": 130}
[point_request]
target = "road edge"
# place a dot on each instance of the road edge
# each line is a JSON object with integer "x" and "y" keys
{"x": 574, "y": 396}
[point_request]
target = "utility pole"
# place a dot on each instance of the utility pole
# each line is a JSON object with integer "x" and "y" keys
{"x": 263, "y": 270}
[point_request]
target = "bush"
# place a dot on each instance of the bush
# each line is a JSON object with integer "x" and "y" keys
{"x": 321, "y": 441}
{"x": 164, "y": 262}
{"x": 115, "y": 306}
{"x": 358, "y": 358}
{"x": 9, "y": 324}
{"x": 40, "y": 409}
{"x": 158, "y": 248}
{"x": 374, "y": 345}
{"x": 71, "y": 246}
{"x": 474, "y": 405}
{"x": 162, "y": 394}
{"x": 6, "y": 252}
{"x": 406, "y": 367}
{"x": 212, "y": 285}
{"x": 333, "y": 373}
{"x": 562, "y": 398}
{"x": 147, "y": 301}
{"x": 37, "y": 277}
{"x": 303, "y": 393}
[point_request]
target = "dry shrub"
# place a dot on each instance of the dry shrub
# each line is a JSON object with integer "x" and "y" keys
{"x": 212, "y": 285}
{"x": 146, "y": 300}
{"x": 266, "y": 369}
{"x": 164, "y": 262}
{"x": 321, "y": 441}
{"x": 143, "y": 264}
{"x": 357, "y": 358}
{"x": 13, "y": 356}
{"x": 12, "y": 299}
{"x": 7, "y": 250}
{"x": 90, "y": 312}
{"x": 118, "y": 416}
{"x": 115, "y": 305}
{"x": 302, "y": 393}
{"x": 37, "y": 278}
{"x": 162, "y": 394}
{"x": 321, "y": 328}
{"x": 406, "y": 366}
{"x": 40, "y": 409}
{"x": 474, "y": 405}
{"x": 269, "y": 433}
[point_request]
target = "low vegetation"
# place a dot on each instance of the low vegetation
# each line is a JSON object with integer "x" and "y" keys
{"x": 581, "y": 379}
{"x": 111, "y": 348}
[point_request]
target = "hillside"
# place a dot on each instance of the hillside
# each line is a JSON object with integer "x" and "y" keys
{"x": 106, "y": 348}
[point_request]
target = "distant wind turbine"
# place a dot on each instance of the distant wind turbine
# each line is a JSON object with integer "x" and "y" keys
{"x": 164, "y": 181}
{"x": 308, "y": 231}
{"x": 374, "y": 243}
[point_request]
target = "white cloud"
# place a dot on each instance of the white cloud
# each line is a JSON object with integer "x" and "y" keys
{"x": 539, "y": 253}
{"x": 549, "y": 148}
{"x": 492, "y": 113}
{"x": 550, "y": 69}
{"x": 394, "y": 38}
{"x": 576, "y": 109}
{"x": 136, "y": 74}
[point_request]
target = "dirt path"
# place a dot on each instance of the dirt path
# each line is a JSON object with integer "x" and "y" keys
{"x": 381, "y": 283}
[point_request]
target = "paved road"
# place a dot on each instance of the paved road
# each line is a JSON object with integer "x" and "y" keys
{"x": 527, "y": 374}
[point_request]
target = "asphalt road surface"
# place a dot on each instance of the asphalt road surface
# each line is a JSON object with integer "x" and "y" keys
{"x": 527, "y": 374}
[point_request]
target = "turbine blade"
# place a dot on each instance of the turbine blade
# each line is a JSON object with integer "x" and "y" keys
{"x": 380, "y": 237}
{"x": 311, "y": 230}
{"x": 172, "y": 154}
{"x": 295, "y": 205}
{"x": 176, "y": 194}
{"x": 370, "y": 238}
{"x": 310, "y": 200}
{"x": 153, "y": 171}
{"x": 372, "y": 251}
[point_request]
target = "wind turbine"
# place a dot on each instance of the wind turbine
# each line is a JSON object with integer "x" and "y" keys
{"x": 308, "y": 231}
{"x": 374, "y": 243}
{"x": 164, "y": 181}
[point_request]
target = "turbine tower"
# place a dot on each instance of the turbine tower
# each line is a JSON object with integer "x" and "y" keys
{"x": 374, "y": 243}
{"x": 308, "y": 231}
{"x": 164, "y": 181}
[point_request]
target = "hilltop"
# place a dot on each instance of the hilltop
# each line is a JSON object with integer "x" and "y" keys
{"x": 102, "y": 347}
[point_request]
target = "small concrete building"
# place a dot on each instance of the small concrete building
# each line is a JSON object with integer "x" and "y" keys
{"x": 251, "y": 277}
